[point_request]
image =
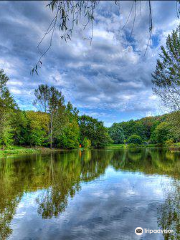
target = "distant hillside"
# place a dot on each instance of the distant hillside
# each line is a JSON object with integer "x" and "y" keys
{"x": 150, "y": 129}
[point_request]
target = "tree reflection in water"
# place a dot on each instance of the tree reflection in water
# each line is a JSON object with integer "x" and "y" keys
{"x": 60, "y": 176}
{"x": 169, "y": 212}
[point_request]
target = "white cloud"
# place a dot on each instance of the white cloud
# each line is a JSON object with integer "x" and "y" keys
{"x": 110, "y": 76}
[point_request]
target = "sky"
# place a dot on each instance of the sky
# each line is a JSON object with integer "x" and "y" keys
{"x": 108, "y": 78}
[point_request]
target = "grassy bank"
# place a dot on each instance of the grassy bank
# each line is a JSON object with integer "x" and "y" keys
{"x": 17, "y": 150}
{"x": 25, "y": 150}
{"x": 174, "y": 146}
{"x": 125, "y": 146}
{"x": 116, "y": 146}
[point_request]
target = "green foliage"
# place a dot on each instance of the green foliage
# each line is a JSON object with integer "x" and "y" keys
{"x": 173, "y": 120}
{"x": 166, "y": 77}
{"x": 70, "y": 136}
{"x": 57, "y": 124}
{"x": 6, "y": 135}
{"x": 161, "y": 134}
{"x": 7, "y": 109}
{"x": 169, "y": 142}
{"x": 86, "y": 143}
{"x": 94, "y": 130}
{"x": 134, "y": 139}
{"x": 66, "y": 127}
{"x": 51, "y": 101}
{"x": 134, "y": 127}
{"x": 38, "y": 128}
{"x": 116, "y": 133}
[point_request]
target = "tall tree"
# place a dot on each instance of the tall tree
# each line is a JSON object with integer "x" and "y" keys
{"x": 51, "y": 101}
{"x": 68, "y": 134}
{"x": 42, "y": 97}
{"x": 7, "y": 108}
{"x": 166, "y": 77}
{"x": 116, "y": 133}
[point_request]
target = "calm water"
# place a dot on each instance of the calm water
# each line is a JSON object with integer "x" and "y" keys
{"x": 90, "y": 195}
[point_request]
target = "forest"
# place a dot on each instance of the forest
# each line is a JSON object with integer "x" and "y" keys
{"x": 159, "y": 130}
{"x": 56, "y": 124}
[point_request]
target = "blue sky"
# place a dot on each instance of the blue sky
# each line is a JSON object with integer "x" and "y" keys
{"x": 109, "y": 79}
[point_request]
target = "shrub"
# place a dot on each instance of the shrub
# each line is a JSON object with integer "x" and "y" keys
{"x": 169, "y": 142}
{"x": 86, "y": 143}
{"x": 135, "y": 139}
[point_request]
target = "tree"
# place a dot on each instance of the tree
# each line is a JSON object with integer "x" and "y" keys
{"x": 166, "y": 77}
{"x": 161, "y": 133}
{"x": 116, "y": 133}
{"x": 51, "y": 101}
{"x": 86, "y": 143}
{"x": 21, "y": 130}
{"x": 173, "y": 120}
{"x": 135, "y": 139}
{"x": 134, "y": 127}
{"x": 56, "y": 107}
{"x": 67, "y": 135}
{"x": 7, "y": 109}
{"x": 37, "y": 128}
{"x": 42, "y": 94}
{"x": 94, "y": 130}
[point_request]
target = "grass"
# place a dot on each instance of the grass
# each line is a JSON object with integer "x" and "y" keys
{"x": 17, "y": 150}
{"x": 116, "y": 146}
{"x": 125, "y": 146}
{"x": 177, "y": 144}
{"x": 25, "y": 150}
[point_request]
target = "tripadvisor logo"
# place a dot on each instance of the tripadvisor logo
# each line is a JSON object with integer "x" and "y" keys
{"x": 139, "y": 231}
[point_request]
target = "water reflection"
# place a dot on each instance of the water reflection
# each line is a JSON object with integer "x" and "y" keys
{"x": 98, "y": 194}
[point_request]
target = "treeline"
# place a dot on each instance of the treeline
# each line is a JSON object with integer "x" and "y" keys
{"x": 58, "y": 124}
{"x": 156, "y": 130}
{"x": 55, "y": 124}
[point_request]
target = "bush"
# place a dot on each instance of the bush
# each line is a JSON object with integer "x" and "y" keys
{"x": 132, "y": 145}
{"x": 169, "y": 142}
{"x": 86, "y": 143}
{"x": 135, "y": 139}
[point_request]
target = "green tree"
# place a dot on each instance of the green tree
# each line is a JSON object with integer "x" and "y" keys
{"x": 94, "y": 130}
{"x": 161, "y": 133}
{"x": 51, "y": 101}
{"x": 134, "y": 127}
{"x": 116, "y": 133}
{"x": 135, "y": 139}
{"x": 38, "y": 124}
{"x": 68, "y": 133}
{"x": 166, "y": 77}
{"x": 173, "y": 120}
{"x": 20, "y": 128}
{"x": 86, "y": 143}
{"x": 7, "y": 109}
{"x": 42, "y": 94}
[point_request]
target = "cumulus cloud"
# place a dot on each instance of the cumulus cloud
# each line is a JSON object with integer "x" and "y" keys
{"x": 109, "y": 79}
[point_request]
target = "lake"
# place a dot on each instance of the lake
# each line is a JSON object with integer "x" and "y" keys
{"x": 90, "y": 195}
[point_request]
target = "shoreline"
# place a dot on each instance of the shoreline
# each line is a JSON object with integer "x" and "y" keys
{"x": 27, "y": 150}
